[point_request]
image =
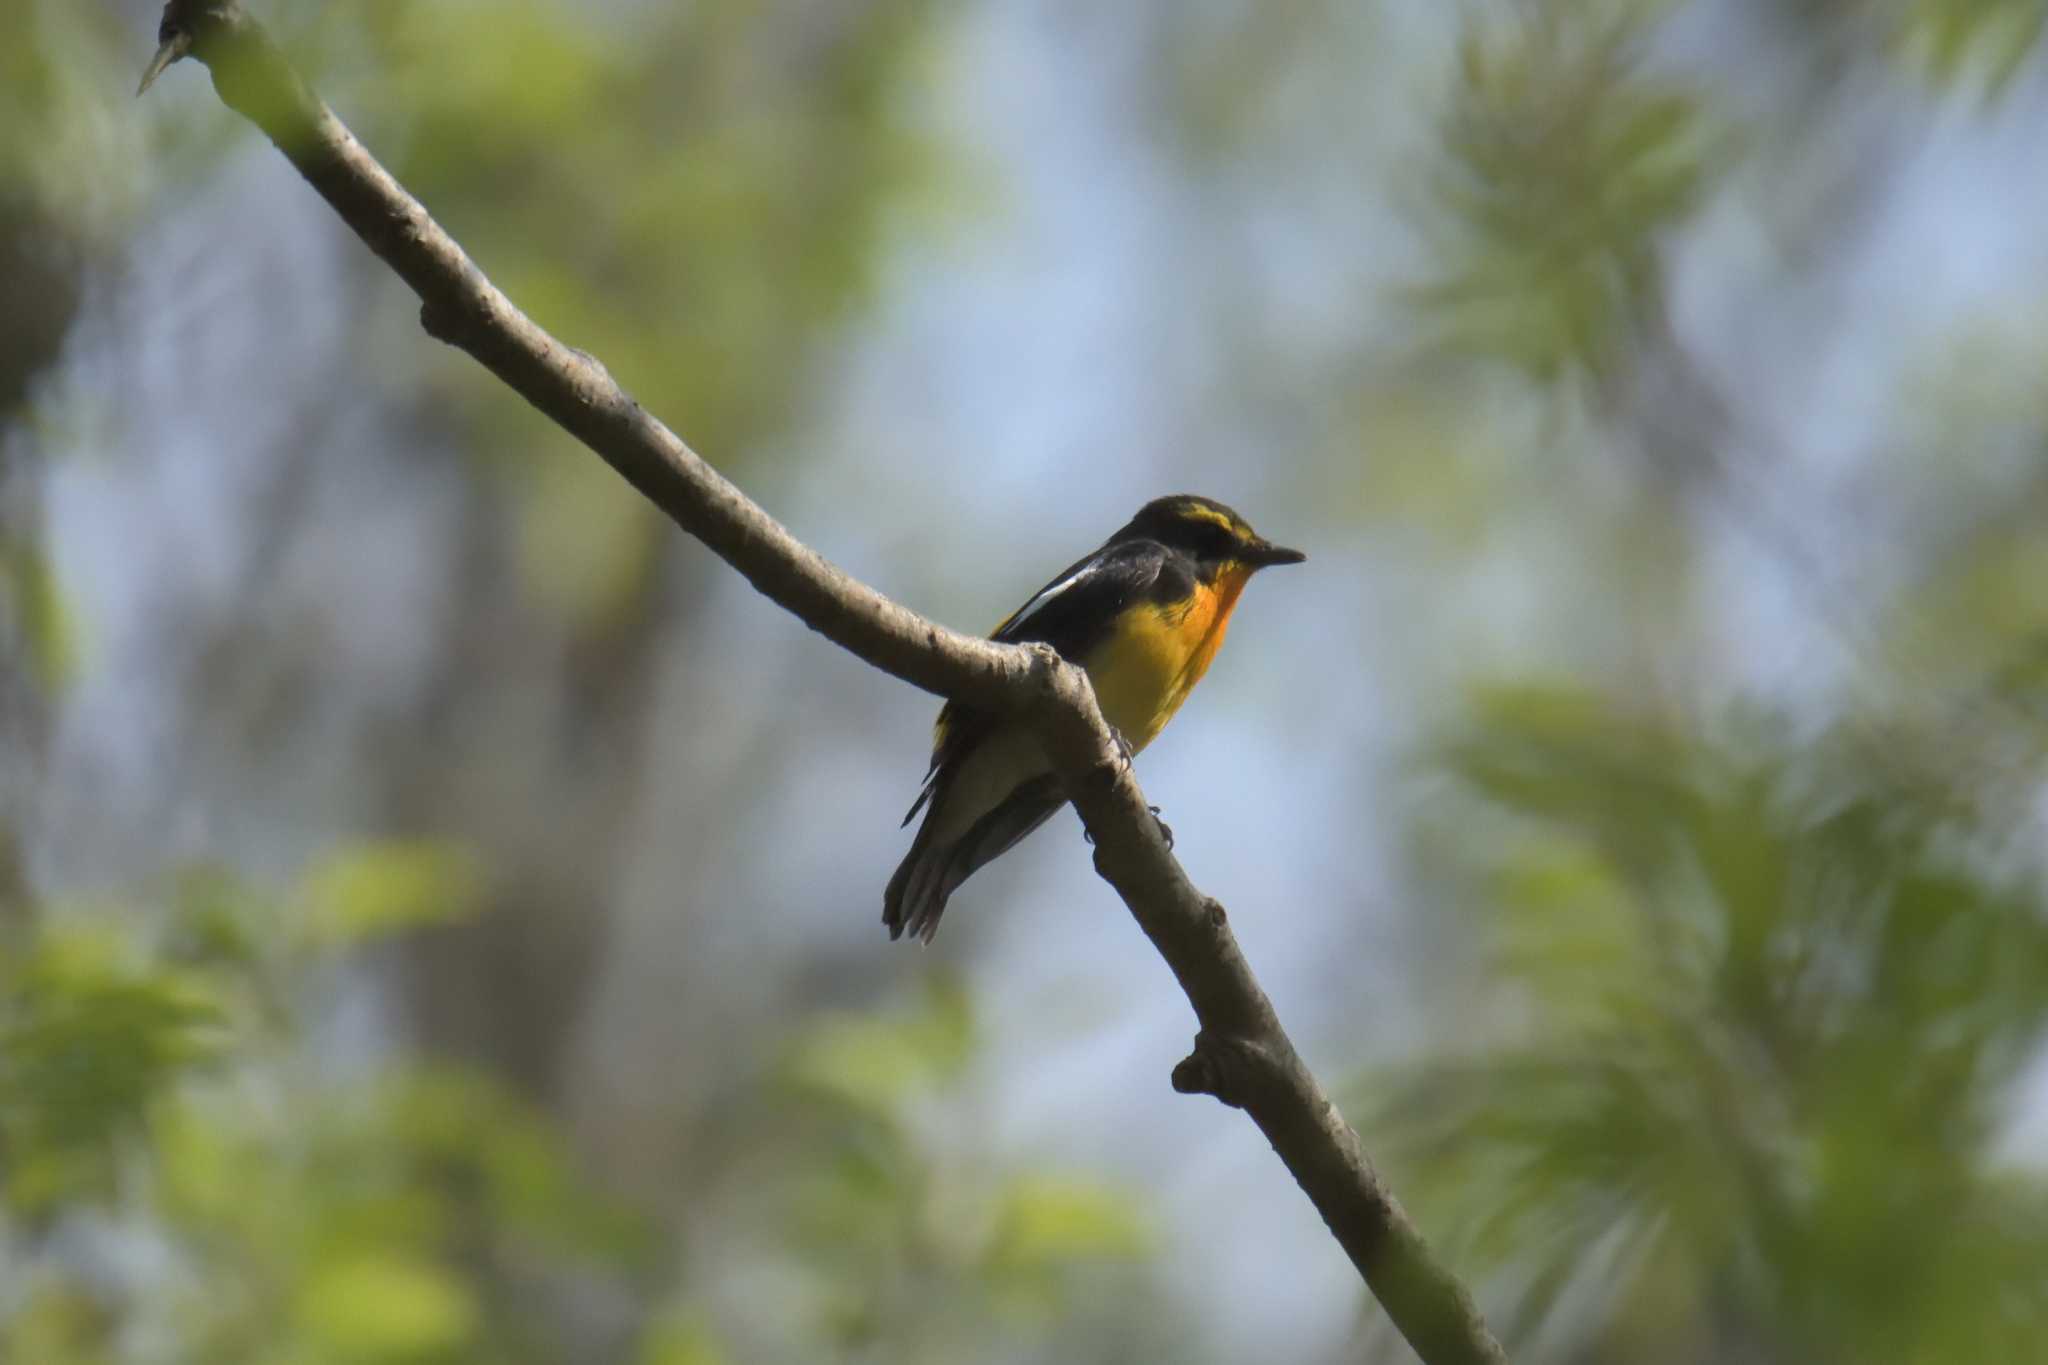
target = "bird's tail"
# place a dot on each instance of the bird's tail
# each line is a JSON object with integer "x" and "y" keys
{"x": 933, "y": 870}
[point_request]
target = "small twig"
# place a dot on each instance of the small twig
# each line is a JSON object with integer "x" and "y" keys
{"x": 1242, "y": 1055}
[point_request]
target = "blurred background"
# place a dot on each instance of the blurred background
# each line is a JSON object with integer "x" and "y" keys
{"x": 439, "y": 902}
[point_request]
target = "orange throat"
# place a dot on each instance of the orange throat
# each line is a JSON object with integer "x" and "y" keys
{"x": 1212, "y": 609}
{"x": 1145, "y": 670}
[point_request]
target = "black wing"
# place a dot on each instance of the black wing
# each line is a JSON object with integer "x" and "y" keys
{"x": 1072, "y": 613}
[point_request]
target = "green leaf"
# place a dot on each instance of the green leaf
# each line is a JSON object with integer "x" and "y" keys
{"x": 90, "y": 1035}
{"x": 1961, "y": 42}
{"x": 58, "y": 1322}
{"x": 876, "y": 1063}
{"x": 376, "y": 890}
{"x": 385, "y": 1308}
{"x": 1563, "y": 162}
{"x": 680, "y": 1339}
{"x": 1048, "y": 1221}
{"x": 1753, "y": 1026}
{"x": 39, "y": 614}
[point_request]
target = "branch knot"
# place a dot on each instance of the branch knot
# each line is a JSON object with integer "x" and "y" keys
{"x": 1228, "y": 1067}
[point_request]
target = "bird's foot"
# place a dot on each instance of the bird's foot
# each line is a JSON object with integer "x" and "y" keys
{"x": 1124, "y": 750}
{"x": 1165, "y": 830}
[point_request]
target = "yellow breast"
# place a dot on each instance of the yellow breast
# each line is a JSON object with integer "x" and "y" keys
{"x": 1146, "y": 669}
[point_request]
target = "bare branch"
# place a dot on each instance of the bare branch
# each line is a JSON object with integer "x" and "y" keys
{"x": 1241, "y": 1054}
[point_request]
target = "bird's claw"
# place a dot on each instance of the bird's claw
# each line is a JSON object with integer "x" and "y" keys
{"x": 1124, "y": 750}
{"x": 1125, "y": 753}
{"x": 1165, "y": 830}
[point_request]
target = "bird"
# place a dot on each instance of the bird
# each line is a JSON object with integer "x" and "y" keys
{"x": 1144, "y": 615}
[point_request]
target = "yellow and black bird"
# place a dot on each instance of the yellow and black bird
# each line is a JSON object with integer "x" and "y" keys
{"x": 1144, "y": 615}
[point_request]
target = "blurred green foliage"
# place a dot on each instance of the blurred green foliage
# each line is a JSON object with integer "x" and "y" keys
{"x": 34, "y": 616}
{"x": 1562, "y": 160}
{"x": 697, "y": 195}
{"x": 681, "y": 1339}
{"x": 1755, "y": 1020}
{"x": 91, "y": 1035}
{"x": 693, "y": 194}
{"x": 56, "y": 225}
{"x": 162, "y": 1081}
{"x": 163, "y": 1077}
{"x": 366, "y": 891}
{"x": 1229, "y": 68}
{"x": 1982, "y": 41}
{"x": 910, "y": 1252}
{"x": 1753, "y": 1008}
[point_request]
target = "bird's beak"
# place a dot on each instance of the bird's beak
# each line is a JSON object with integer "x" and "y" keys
{"x": 1263, "y": 554}
{"x": 174, "y": 46}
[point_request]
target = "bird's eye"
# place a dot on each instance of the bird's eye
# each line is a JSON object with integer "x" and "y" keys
{"x": 1217, "y": 542}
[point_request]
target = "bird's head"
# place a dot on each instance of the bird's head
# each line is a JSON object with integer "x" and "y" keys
{"x": 1215, "y": 536}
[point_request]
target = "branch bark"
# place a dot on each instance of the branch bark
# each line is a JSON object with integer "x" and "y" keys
{"x": 1241, "y": 1054}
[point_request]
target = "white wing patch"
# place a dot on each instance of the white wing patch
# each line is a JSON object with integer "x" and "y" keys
{"x": 1045, "y": 595}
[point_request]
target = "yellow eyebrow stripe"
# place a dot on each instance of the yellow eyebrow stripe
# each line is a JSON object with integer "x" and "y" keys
{"x": 1197, "y": 512}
